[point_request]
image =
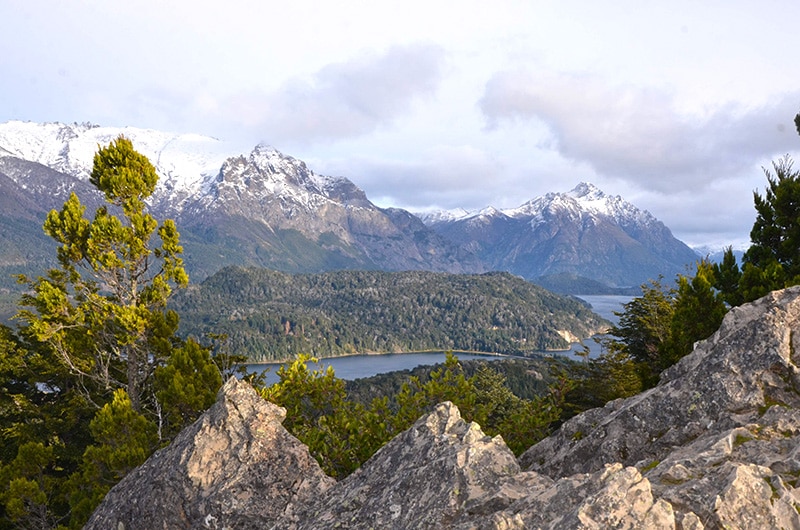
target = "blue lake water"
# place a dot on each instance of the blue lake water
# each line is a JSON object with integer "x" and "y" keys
{"x": 358, "y": 366}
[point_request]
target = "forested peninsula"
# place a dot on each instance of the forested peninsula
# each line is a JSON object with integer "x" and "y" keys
{"x": 269, "y": 315}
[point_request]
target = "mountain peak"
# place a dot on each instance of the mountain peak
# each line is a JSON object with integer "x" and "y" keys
{"x": 588, "y": 191}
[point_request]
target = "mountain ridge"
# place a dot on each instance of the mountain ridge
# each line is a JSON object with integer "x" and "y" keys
{"x": 265, "y": 208}
{"x": 583, "y": 232}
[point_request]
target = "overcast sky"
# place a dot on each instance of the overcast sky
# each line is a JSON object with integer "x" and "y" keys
{"x": 674, "y": 105}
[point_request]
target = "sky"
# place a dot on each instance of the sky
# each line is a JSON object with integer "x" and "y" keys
{"x": 676, "y": 106}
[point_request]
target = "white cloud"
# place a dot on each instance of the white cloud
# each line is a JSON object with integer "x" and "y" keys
{"x": 341, "y": 100}
{"x": 638, "y": 133}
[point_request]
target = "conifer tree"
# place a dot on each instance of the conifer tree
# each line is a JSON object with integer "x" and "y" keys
{"x": 775, "y": 235}
{"x": 727, "y": 277}
{"x": 698, "y": 313}
{"x": 103, "y": 310}
{"x": 773, "y": 259}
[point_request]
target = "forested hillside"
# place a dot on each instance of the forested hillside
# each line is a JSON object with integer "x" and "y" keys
{"x": 270, "y": 315}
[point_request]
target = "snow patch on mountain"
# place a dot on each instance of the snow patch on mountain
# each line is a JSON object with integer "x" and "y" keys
{"x": 190, "y": 166}
{"x": 182, "y": 160}
{"x": 443, "y": 216}
{"x": 584, "y": 202}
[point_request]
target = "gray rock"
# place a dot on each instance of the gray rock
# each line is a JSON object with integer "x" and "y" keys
{"x": 235, "y": 467}
{"x": 438, "y": 471}
{"x": 718, "y": 437}
{"x": 715, "y": 445}
{"x": 615, "y": 497}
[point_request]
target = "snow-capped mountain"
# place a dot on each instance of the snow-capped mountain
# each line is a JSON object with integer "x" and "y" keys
{"x": 265, "y": 208}
{"x": 262, "y": 208}
{"x": 583, "y": 232}
{"x": 183, "y": 161}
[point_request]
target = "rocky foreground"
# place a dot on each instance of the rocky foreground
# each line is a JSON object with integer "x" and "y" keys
{"x": 715, "y": 445}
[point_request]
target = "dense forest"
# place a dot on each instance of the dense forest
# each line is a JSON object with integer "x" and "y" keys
{"x": 270, "y": 315}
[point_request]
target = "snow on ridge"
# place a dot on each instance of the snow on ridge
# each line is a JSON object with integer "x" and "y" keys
{"x": 302, "y": 184}
{"x": 182, "y": 160}
{"x": 585, "y": 198}
{"x": 594, "y": 200}
{"x": 439, "y": 216}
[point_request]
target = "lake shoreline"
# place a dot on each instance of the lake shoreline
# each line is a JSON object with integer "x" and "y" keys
{"x": 378, "y": 354}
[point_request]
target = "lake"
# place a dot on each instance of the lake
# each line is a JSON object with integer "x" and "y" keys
{"x": 359, "y": 366}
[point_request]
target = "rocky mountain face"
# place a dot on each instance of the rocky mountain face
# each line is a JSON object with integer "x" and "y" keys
{"x": 261, "y": 209}
{"x": 270, "y": 210}
{"x": 715, "y": 445}
{"x": 584, "y": 233}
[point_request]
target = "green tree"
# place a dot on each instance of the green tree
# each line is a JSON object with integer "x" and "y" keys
{"x": 644, "y": 326}
{"x": 29, "y": 487}
{"x": 727, "y": 278}
{"x": 342, "y": 434}
{"x": 124, "y": 439}
{"x": 103, "y": 311}
{"x": 79, "y": 394}
{"x": 654, "y": 331}
{"x": 612, "y": 375}
{"x": 774, "y": 255}
{"x": 698, "y": 313}
{"x": 185, "y": 386}
{"x": 43, "y": 432}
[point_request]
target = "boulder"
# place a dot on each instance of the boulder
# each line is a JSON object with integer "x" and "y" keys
{"x": 235, "y": 467}
{"x": 436, "y": 472}
{"x": 615, "y": 497}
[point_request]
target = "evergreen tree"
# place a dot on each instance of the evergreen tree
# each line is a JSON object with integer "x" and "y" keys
{"x": 103, "y": 311}
{"x": 185, "y": 386}
{"x": 698, "y": 313}
{"x": 727, "y": 277}
{"x": 123, "y": 440}
{"x": 775, "y": 235}
{"x": 342, "y": 434}
{"x": 644, "y": 327}
{"x": 80, "y": 403}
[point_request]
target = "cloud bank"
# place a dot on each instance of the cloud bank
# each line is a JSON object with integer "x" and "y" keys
{"x": 639, "y": 134}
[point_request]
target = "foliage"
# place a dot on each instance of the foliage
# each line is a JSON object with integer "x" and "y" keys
{"x": 595, "y": 382}
{"x": 644, "y": 327}
{"x": 773, "y": 259}
{"x": 80, "y": 402}
{"x": 185, "y": 386}
{"x": 270, "y": 315}
{"x": 342, "y": 433}
{"x": 339, "y": 433}
{"x": 698, "y": 313}
{"x": 527, "y": 378}
{"x": 29, "y": 487}
{"x": 654, "y": 332}
{"x": 103, "y": 311}
{"x": 727, "y": 278}
{"x": 124, "y": 439}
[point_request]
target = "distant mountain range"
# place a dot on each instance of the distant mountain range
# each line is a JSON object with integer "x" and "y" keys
{"x": 267, "y": 209}
{"x": 582, "y": 233}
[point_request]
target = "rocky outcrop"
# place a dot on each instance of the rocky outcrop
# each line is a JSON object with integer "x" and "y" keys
{"x": 715, "y": 445}
{"x": 235, "y": 467}
{"x": 719, "y": 437}
{"x": 427, "y": 477}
